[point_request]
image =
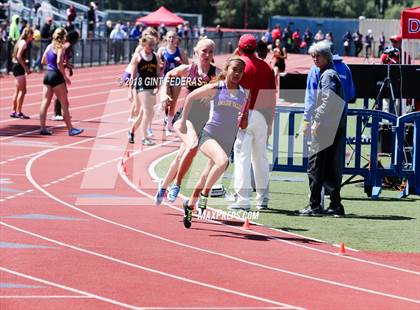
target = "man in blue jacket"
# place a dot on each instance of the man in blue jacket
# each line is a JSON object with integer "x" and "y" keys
{"x": 312, "y": 84}
{"x": 325, "y": 115}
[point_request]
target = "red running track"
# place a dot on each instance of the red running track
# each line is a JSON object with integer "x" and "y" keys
{"x": 77, "y": 232}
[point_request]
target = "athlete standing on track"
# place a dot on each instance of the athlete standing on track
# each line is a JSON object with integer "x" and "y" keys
{"x": 198, "y": 73}
{"x": 218, "y": 135}
{"x": 172, "y": 56}
{"x": 126, "y": 78}
{"x": 279, "y": 58}
{"x": 71, "y": 40}
{"x": 20, "y": 69}
{"x": 55, "y": 82}
{"x": 146, "y": 69}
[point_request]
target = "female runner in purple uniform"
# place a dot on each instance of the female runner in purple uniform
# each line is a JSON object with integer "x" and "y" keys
{"x": 219, "y": 133}
{"x": 55, "y": 82}
{"x": 197, "y": 74}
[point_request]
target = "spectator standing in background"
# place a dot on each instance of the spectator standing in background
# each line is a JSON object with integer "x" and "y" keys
{"x": 162, "y": 30}
{"x": 13, "y": 37}
{"x": 330, "y": 37}
{"x": 275, "y": 33}
{"x": 287, "y": 38}
{"x": 307, "y": 37}
{"x": 357, "y": 40}
{"x": 36, "y": 49}
{"x": 117, "y": 36}
{"x": 23, "y": 25}
{"x": 328, "y": 126}
{"x": 91, "y": 17}
{"x": 108, "y": 28}
{"x": 319, "y": 36}
{"x": 186, "y": 33}
{"x": 381, "y": 45}
{"x": 35, "y": 9}
{"x": 4, "y": 4}
{"x": 71, "y": 14}
{"x": 47, "y": 30}
{"x": 135, "y": 32}
{"x": 69, "y": 27}
{"x": 3, "y": 47}
{"x": 126, "y": 27}
{"x": 297, "y": 40}
{"x": 219, "y": 38}
{"x": 179, "y": 30}
{"x": 14, "y": 32}
{"x": 347, "y": 43}
{"x": 368, "y": 43}
{"x": 262, "y": 48}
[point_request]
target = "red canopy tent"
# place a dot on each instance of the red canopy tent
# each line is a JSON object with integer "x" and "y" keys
{"x": 161, "y": 15}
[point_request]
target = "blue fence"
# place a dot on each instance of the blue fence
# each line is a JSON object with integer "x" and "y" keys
{"x": 407, "y": 151}
{"x": 290, "y": 149}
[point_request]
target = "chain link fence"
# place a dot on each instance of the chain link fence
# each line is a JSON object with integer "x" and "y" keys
{"x": 103, "y": 51}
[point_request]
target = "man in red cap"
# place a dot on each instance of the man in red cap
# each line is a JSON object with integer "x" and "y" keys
{"x": 250, "y": 145}
{"x": 275, "y": 33}
{"x": 392, "y": 54}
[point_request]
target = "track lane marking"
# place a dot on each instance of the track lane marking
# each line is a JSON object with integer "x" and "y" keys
{"x": 67, "y": 288}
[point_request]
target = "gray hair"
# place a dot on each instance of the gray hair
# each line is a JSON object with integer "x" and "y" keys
{"x": 322, "y": 48}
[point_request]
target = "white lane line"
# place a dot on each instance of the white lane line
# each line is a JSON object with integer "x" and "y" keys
{"x": 14, "y": 174}
{"x": 17, "y": 195}
{"x": 35, "y": 145}
{"x": 357, "y": 288}
{"x": 70, "y": 89}
{"x": 67, "y": 288}
{"x": 151, "y": 270}
{"x": 81, "y": 71}
{"x": 155, "y": 177}
{"x": 42, "y": 297}
{"x": 38, "y": 86}
{"x": 37, "y": 82}
{"x": 78, "y": 172}
{"x": 37, "y": 186}
{"x": 72, "y": 109}
{"x": 216, "y": 308}
{"x": 57, "y": 126}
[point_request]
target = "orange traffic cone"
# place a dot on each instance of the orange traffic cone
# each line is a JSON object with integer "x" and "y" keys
{"x": 246, "y": 224}
{"x": 342, "y": 250}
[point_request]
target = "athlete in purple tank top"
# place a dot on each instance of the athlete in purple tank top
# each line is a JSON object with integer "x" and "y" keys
{"x": 219, "y": 133}
{"x": 56, "y": 83}
{"x": 223, "y": 109}
{"x": 51, "y": 59}
{"x": 197, "y": 74}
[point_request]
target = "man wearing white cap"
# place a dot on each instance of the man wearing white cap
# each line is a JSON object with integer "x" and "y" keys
{"x": 250, "y": 145}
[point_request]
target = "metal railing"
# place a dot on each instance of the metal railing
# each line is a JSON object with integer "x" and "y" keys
{"x": 103, "y": 51}
{"x": 290, "y": 153}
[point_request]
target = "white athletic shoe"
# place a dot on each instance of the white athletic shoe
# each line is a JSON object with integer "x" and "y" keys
{"x": 57, "y": 118}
